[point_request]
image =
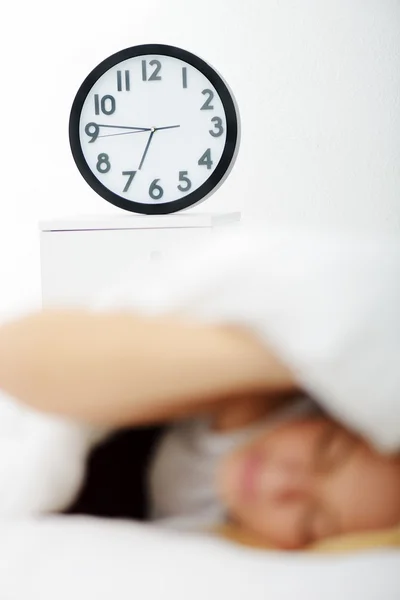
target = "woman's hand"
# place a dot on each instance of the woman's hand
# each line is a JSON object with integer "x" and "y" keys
{"x": 121, "y": 368}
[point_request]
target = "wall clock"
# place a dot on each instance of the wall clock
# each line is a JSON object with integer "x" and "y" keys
{"x": 154, "y": 129}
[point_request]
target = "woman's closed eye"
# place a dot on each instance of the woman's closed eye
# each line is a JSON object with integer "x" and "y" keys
{"x": 333, "y": 448}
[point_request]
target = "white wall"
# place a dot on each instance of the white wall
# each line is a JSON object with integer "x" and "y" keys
{"x": 317, "y": 81}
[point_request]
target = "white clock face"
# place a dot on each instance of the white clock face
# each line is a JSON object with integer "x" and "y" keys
{"x": 154, "y": 131}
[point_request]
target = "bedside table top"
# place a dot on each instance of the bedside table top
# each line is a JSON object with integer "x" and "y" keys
{"x": 133, "y": 221}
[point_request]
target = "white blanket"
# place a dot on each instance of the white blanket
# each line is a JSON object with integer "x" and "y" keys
{"x": 329, "y": 304}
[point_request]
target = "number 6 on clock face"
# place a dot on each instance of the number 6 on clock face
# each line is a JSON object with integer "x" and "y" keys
{"x": 154, "y": 129}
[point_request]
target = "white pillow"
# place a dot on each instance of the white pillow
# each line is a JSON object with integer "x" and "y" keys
{"x": 329, "y": 303}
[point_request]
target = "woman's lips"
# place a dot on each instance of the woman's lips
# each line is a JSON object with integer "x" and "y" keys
{"x": 249, "y": 476}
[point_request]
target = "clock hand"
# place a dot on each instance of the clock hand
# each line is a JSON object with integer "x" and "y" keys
{"x": 124, "y": 133}
{"x": 124, "y": 127}
{"x": 170, "y": 127}
{"x": 147, "y": 147}
{"x": 141, "y": 131}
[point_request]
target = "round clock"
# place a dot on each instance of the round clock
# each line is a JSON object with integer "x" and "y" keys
{"x": 154, "y": 129}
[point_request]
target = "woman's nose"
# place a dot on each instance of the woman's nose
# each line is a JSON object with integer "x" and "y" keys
{"x": 285, "y": 481}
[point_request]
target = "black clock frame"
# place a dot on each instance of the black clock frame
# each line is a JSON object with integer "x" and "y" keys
{"x": 232, "y": 124}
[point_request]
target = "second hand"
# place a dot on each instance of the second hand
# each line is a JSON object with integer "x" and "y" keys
{"x": 124, "y": 133}
{"x": 132, "y": 132}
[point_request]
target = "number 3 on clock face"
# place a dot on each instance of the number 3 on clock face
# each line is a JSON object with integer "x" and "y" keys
{"x": 154, "y": 129}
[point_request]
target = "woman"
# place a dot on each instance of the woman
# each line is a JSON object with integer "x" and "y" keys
{"x": 306, "y": 479}
{"x": 120, "y": 367}
{"x": 288, "y": 480}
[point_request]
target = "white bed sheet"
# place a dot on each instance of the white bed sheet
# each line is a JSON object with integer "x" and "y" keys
{"x": 90, "y": 559}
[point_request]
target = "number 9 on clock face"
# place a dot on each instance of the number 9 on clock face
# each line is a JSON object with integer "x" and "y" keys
{"x": 154, "y": 129}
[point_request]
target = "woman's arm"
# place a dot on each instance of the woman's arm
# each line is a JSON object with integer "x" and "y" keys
{"x": 120, "y": 368}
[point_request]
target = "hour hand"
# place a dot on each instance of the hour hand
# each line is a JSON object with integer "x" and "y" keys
{"x": 147, "y": 148}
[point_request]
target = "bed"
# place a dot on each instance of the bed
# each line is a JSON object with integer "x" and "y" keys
{"x": 318, "y": 300}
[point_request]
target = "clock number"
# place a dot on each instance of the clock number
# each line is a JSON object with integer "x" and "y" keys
{"x": 156, "y": 192}
{"x": 92, "y": 130}
{"x": 205, "y": 160}
{"x": 207, "y": 104}
{"x": 184, "y": 77}
{"x": 183, "y": 177}
{"x": 154, "y": 76}
{"x": 106, "y": 105}
{"x": 131, "y": 175}
{"x": 127, "y": 81}
{"x": 103, "y": 163}
{"x": 218, "y": 126}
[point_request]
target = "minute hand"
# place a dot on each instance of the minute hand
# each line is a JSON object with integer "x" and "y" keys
{"x": 125, "y": 127}
{"x": 169, "y": 127}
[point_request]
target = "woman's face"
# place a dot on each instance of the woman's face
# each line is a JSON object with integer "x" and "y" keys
{"x": 308, "y": 480}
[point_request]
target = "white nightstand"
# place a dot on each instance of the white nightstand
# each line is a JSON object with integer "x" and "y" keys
{"x": 80, "y": 256}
